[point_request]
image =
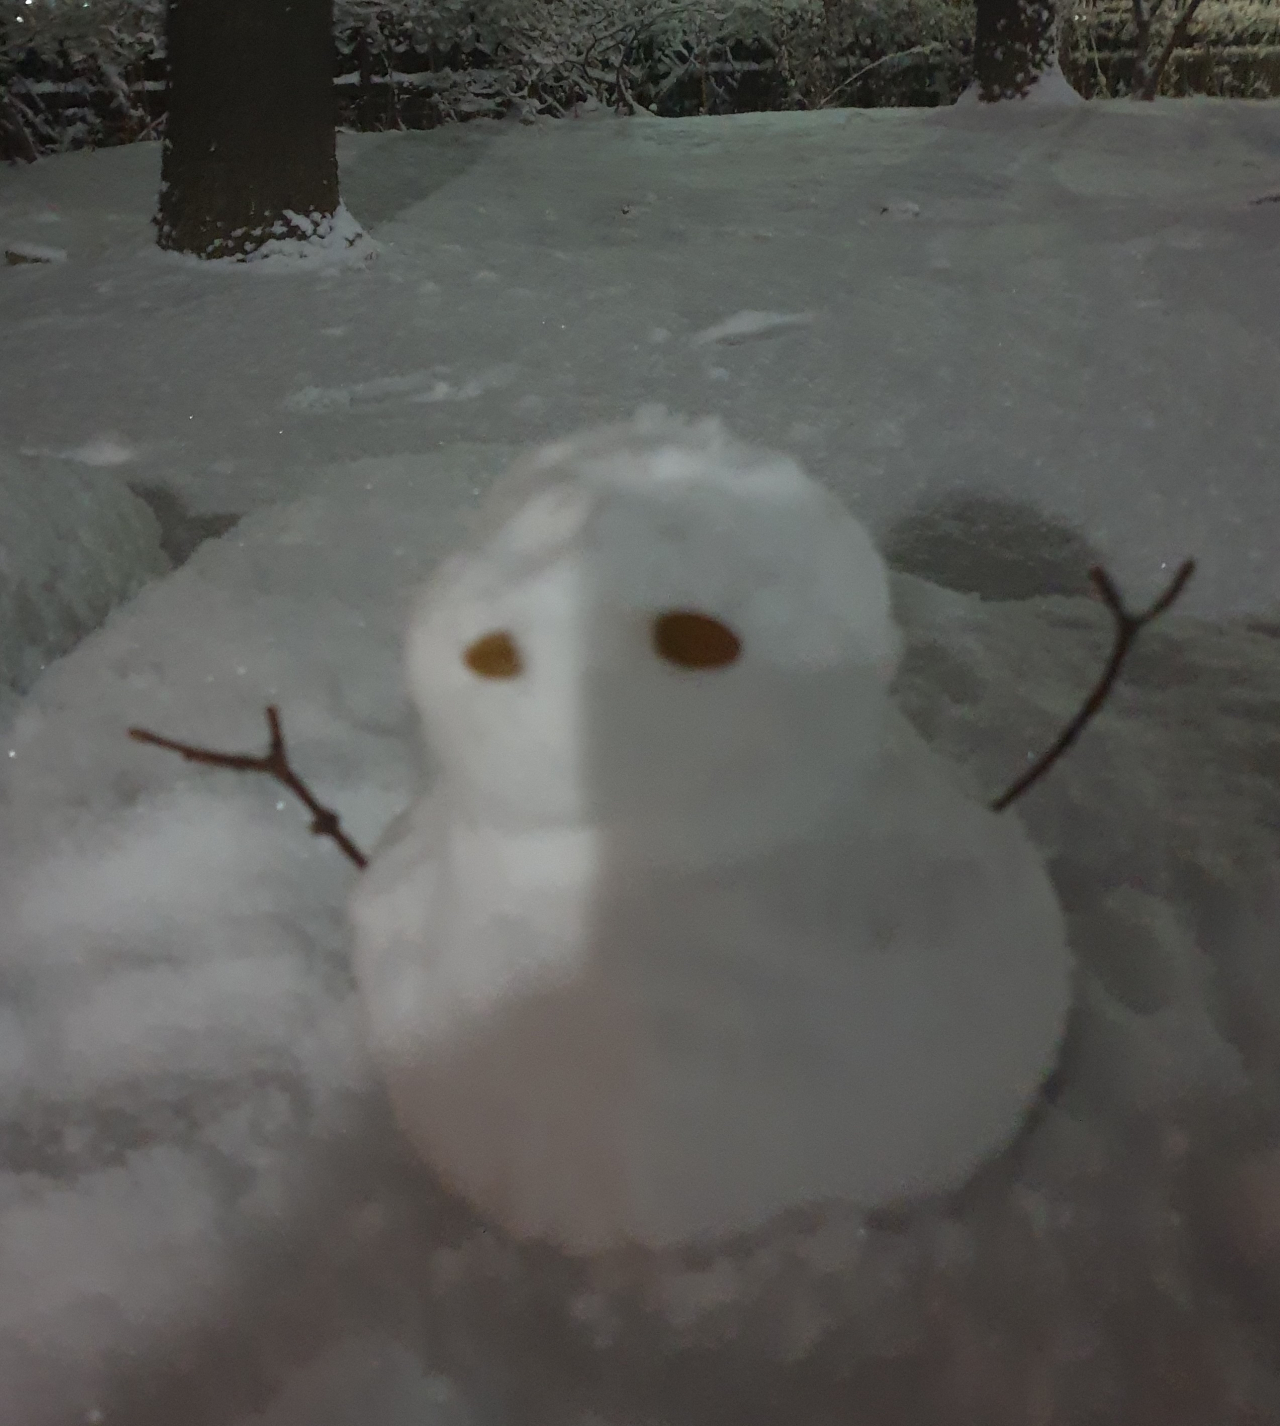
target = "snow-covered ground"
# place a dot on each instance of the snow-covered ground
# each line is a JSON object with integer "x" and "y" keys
{"x": 1015, "y": 342}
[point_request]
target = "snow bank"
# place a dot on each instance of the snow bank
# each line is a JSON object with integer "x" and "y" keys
{"x": 1049, "y": 89}
{"x": 206, "y": 1214}
{"x": 72, "y": 546}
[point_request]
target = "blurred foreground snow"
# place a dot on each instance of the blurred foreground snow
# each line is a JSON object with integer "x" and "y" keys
{"x": 206, "y": 1215}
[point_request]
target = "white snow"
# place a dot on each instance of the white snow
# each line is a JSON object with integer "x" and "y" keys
{"x": 320, "y": 241}
{"x": 19, "y": 253}
{"x": 419, "y": 387}
{"x": 742, "y": 326}
{"x": 1049, "y": 89}
{"x": 1115, "y": 374}
{"x": 1066, "y": 355}
{"x": 103, "y": 449}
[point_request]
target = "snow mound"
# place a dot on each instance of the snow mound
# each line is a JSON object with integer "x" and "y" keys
{"x": 304, "y": 242}
{"x": 746, "y": 325}
{"x": 102, "y": 450}
{"x": 18, "y": 253}
{"x": 1049, "y": 90}
{"x": 73, "y": 545}
{"x": 415, "y": 388}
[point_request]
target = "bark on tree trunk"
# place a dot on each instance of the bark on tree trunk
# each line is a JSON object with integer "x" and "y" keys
{"x": 249, "y": 138}
{"x": 1013, "y": 42}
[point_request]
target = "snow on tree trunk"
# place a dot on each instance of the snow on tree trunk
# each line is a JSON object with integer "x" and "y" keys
{"x": 249, "y": 151}
{"x": 1014, "y": 42}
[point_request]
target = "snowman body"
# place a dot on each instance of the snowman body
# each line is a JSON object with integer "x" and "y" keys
{"x": 691, "y": 928}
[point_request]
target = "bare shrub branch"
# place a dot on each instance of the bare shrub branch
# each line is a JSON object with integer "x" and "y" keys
{"x": 1177, "y": 37}
{"x": 875, "y": 64}
{"x": 1142, "y": 18}
{"x": 1127, "y": 627}
{"x": 274, "y": 762}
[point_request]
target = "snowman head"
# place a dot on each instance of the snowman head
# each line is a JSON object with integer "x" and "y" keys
{"x": 660, "y": 632}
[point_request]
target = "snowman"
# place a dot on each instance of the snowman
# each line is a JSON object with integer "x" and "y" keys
{"x": 690, "y": 927}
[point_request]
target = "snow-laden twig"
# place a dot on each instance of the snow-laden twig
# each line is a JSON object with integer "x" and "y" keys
{"x": 875, "y": 64}
{"x": 1127, "y": 627}
{"x": 274, "y": 762}
{"x": 14, "y": 133}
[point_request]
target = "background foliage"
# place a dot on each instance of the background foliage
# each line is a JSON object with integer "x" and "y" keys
{"x": 76, "y": 75}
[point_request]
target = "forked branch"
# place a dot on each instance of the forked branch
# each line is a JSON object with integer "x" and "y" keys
{"x": 1176, "y": 38}
{"x": 275, "y": 762}
{"x": 1148, "y": 69}
{"x": 1127, "y": 627}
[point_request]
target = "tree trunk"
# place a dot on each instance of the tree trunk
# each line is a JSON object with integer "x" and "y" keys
{"x": 249, "y": 149}
{"x": 1014, "y": 42}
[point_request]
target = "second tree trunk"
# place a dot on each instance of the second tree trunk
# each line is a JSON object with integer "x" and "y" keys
{"x": 1013, "y": 43}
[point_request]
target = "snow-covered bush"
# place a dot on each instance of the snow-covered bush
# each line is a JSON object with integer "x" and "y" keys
{"x": 73, "y": 545}
{"x": 79, "y": 75}
{"x": 1232, "y": 48}
{"x": 76, "y": 75}
{"x": 672, "y": 56}
{"x": 82, "y": 75}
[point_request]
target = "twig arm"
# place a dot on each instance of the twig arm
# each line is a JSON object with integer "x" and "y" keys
{"x": 275, "y": 762}
{"x": 1127, "y": 627}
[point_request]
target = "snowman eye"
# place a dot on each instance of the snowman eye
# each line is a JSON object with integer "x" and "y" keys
{"x": 691, "y": 640}
{"x": 495, "y": 655}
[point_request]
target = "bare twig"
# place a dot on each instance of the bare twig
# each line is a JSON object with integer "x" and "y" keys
{"x": 875, "y": 64}
{"x": 626, "y": 102}
{"x": 156, "y": 126}
{"x": 1127, "y": 626}
{"x": 275, "y": 762}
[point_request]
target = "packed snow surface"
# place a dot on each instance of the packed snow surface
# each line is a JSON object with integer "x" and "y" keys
{"x": 1067, "y": 305}
{"x": 1035, "y": 340}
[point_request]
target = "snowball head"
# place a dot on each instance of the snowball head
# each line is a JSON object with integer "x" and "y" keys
{"x": 590, "y": 600}
{"x": 691, "y": 928}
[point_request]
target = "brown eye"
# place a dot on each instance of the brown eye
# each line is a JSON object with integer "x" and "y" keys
{"x": 494, "y": 656}
{"x": 692, "y": 640}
